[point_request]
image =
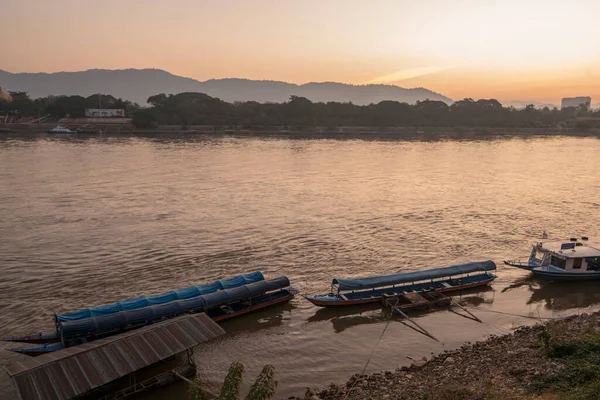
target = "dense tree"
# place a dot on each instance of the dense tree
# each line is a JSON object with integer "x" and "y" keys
{"x": 200, "y": 109}
{"x": 61, "y": 106}
{"x": 186, "y": 109}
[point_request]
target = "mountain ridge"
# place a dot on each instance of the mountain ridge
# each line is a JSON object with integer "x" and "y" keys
{"x": 139, "y": 84}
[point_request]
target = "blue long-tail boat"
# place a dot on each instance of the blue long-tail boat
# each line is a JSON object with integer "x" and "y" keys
{"x": 350, "y": 292}
{"x": 220, "y": 300}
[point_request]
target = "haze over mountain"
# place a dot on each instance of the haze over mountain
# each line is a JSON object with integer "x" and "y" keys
{"x": 138, "y": 84}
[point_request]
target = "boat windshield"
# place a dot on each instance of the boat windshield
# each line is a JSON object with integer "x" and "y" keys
{"x": 593, "y": 263}
{"x": 539, "y": 256}
{"x": 558, "y": 262}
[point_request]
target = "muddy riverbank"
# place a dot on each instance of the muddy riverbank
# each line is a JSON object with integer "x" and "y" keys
{"x": 529, "y": 363}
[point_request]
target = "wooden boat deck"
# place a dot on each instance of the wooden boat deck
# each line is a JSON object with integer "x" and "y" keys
{"x": 415, "y": 300}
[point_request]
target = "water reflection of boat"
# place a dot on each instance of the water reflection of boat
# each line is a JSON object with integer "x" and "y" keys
{"x": 565, "y": 296}
{"x": 263, "y": 319}
{"x": 558, "y": 296}
{"x": 352, "y": 292}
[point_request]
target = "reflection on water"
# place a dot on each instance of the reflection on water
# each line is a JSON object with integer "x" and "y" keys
{"x": 264, "y": 319}
{"x": 346, "y": 317}
{"x": 565, "y": 295}
{"x": 558, "y": 295}
{"x": 91, "y": 220}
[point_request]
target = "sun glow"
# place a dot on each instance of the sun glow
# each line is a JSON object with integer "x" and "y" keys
{"x": 525, "y": 34}
{"x": 407, "y": 74}
{"x": 435, "y": 44}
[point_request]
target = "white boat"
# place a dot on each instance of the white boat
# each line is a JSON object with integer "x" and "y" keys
{"x": 573, "y": 260}
{"x": 61, "y": 129}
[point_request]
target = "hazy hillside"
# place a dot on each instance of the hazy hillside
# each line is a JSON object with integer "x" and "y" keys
{"x": 137, "y": 85}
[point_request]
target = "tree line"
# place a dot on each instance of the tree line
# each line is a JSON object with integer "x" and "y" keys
{"x": 199, "y": 109}
{"x": 22, "y": 106}
{"x": 187, "y": 109}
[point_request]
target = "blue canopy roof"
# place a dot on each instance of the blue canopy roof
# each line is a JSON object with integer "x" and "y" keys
{"x": 173, "y": 295}
{"x": 108, "y": 323}
{"x": 405, "y": 277}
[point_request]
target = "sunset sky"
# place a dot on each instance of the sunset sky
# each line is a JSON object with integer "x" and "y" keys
{"x": 511, "y": 50}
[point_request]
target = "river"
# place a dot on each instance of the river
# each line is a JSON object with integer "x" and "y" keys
{"x": 88, "y": 221}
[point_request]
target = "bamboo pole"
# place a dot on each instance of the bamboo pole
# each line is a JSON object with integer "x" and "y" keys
{"x": 183, "y": 378}
{"x": 423, "y": 330}
{"x": 465, "y": 310}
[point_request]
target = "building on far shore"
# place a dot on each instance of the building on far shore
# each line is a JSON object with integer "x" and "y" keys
{"x": 576, "y": 102}
{"x": 104, "y": 113}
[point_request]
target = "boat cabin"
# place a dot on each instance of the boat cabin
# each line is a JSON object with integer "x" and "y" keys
{"x": 572, "y": 256}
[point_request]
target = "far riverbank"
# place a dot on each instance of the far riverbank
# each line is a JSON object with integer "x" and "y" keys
{"x": 345, "y": 132}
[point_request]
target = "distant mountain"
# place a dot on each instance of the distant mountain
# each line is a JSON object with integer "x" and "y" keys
{"x": 139, "y": 84}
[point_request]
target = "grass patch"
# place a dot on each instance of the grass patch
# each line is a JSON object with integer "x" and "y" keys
{"x": 579, "y": 352}
{"x": 486, "y": 392}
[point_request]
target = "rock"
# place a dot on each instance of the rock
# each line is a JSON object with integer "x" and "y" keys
{"x": 419, "y": 363}
{"x": 409, "y": 376}
{"x": 308, "y": 394}
{"x": 315, "y": 397}
{"x": 449, "y": 360}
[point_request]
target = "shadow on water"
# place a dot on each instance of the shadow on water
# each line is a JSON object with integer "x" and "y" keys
{"x": 559, "y": 296}
{"x": 565, "y": 295}
{"x": 267, "y": 318}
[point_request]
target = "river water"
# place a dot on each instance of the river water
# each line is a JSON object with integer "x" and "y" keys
{"x": 88, "y": 221}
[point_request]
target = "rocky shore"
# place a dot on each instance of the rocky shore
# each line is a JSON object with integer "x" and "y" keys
{"x": 526, "y": 364}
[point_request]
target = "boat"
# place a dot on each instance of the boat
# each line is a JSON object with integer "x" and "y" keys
{"x": 572, "y": 260}
{"x": 137, "y": 303}
{"x": 350, "y": 292}
{"x": 61, "y": 129}
{"x": 82, "y": 326}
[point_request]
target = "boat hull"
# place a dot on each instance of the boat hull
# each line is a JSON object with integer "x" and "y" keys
{"x": 566, "y": 276}
{"x": 254, "y": 308}
{"x": 339, "y": 302}
{"x": 39, "y": 350}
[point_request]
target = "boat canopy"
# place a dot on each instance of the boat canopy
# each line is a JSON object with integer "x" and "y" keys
{"x": 179, "y": 294}
{"x": 405, "y": 277}
{"x": 129, "y": 319}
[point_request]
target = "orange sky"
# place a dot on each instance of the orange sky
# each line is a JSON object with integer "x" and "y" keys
{"x": 510, "y": 50}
